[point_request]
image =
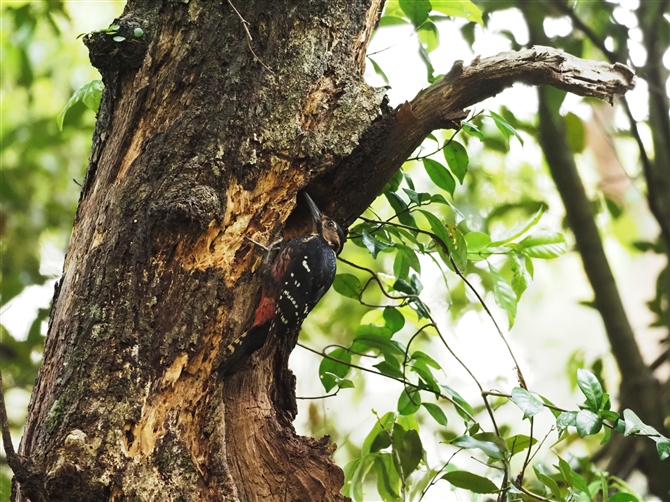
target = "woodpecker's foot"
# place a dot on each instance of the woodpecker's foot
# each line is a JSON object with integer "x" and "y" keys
{"x": 268, "y": 249}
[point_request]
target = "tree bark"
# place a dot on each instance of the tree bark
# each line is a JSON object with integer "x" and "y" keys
{"x": 205, "y": 135}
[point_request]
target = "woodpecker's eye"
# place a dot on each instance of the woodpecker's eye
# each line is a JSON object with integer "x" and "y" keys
{"x": 330, "y": 224}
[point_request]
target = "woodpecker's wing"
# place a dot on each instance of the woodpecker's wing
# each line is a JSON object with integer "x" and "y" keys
{"x": 303, "y": 271}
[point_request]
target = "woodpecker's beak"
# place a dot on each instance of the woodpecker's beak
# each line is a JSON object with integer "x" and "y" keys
{"x": 314, "y": 211}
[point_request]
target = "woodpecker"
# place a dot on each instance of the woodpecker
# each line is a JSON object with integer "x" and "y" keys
{"x": 298, "y": 278}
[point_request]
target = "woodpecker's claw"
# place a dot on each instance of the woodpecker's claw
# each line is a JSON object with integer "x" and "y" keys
{"x": 268, "y": 249}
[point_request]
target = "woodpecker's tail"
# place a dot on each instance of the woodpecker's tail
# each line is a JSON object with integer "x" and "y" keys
{"x": 240, "y": 350}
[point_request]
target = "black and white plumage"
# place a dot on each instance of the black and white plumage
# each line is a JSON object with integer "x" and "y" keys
{"x": 298, "y": 278}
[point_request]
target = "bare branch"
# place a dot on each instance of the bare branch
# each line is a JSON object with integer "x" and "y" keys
{"x": 393, "y": 138}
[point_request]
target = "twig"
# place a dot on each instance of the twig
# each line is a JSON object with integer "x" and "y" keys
{"x": 434, "y": 324}
{"x": 245, "y": 24}
{"x": 20, "y": 465}
{"x": 530, "y": 448}
{"x": 320, "y": 397}
{"x": 534, "y": 495}
{"x": 522, "y": 381}
{"x": 410, "y": 384}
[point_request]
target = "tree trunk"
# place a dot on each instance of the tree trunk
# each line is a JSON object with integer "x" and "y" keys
{"x": 205, "y": 135}
{"x": 211, "y": 122}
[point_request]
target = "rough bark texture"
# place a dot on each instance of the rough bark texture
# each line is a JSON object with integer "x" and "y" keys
{"x": 197, "y": 146}
{"x": 204, "y": 137}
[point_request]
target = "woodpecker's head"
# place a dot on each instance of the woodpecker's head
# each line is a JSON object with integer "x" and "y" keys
{"x": 326, "y": 227}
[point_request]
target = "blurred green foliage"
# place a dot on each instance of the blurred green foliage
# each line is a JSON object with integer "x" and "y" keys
{"x": 42, "y": 64}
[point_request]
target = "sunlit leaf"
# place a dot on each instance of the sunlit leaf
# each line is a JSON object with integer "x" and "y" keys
{"x": 545, "y": 245}
{"x": 587, "y": 423}
{"x": 504, "y": 294}
{"x": 89, "y": 94}
{"x": 459, "y": 8}
{"x": 429, "y": 36}
{"x": 519, "y": 231}
{"x": 519, "y": 443}
{"x": 329, "y": 369}
{"x": 504, "y": 127}
{"x": 590, "y": 387}
{"x": 527, "y": 402}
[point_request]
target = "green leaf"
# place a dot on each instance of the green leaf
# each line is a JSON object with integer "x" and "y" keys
{"x": 504, "y": 127}
{"x": 574, "y": 128}
{"x": 566, "y": 471}
{"x": 549, "y": 483}
{"x": 457, "y": 158}
{"x": 378, "y": 69}
{"x": 429, "y": 36}
{"x": 383, "y": 423}
{"x": 386, "y": 368}
{"x": 461, "y": 402}
{"x": 520, "y": 275}
{"x": 383, "y": 440}
{"x": 138, "y": 32}
{"x": 527, "y": 402}
{"x": 472, "y": 130}
{"x": 426, "y": 375}
{"x": 388, "y": 481}
{"x": 436, "y": 412}
{"x": 545, "y": 245}
{"x": 634, "y": 425}
{"x": 393, "y": 319}
{"x": 89, "y": 94}
{"x": 491, "y": 449}
{"x": 504, "y": 294}
{"x": 459, "y": 8}
{"x": 587, "y": 423}
{"x": 411, "y": 257}
{"x": 373, "y": 244}
{"x": 623, "y": 497}
{"x": 400, "y": 265}
{"x": 389, "y": 348}
{"x": 400, "y": 208}
{"x": 439, "y": 175}
{"x": 554, "y": 412}
{"x": 119, "y": 38}
{"x": 663, "y": 448}
{"x": 519, "y": 443}
{"x": 439, "y": 229}
{"x": 422, "y": 356}
{"x": 329, "y": 369}
{"x": 580, "y": 484}
{"x": 416, "y": 10}
{"x": 409, "y": 402}
{"x": 471, "y": 482}
{"x": 348, "y": 285}
{"x": 520, "y": 230}
{"x": 590, "y": 387}
{"x": 564, "y": 420}
{"x": 477, "y": 241}
{"x": 410, "y": 451}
